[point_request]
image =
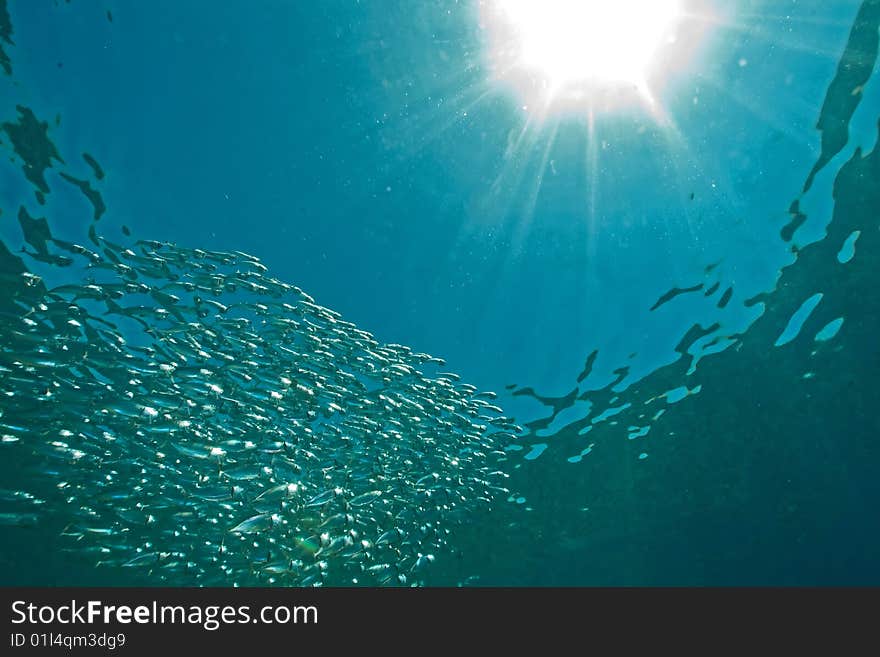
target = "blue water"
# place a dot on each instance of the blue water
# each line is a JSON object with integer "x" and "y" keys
{"x": 358, "y": 150}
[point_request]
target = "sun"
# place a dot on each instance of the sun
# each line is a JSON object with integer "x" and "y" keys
{"x": 573, "y": 48}
{"x": 572, "y": 41}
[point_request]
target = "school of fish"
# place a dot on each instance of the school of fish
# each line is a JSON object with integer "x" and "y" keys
{"x": 211, "y": 425}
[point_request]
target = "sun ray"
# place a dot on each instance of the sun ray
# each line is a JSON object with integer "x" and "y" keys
{"x": 793, "y": 18}
{"x": 761, "y": 112}
{"x": 528, "y": 209}
{"x": 504, "y": 200}
{"x": 419, "y": 126}
{"x": 775, "y": 39}
{"x": 592, "y": 172}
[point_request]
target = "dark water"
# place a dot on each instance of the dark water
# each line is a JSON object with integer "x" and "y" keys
{"x": 750, "y": 457}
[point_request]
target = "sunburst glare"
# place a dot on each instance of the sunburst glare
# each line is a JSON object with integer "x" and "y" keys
{"x": 573, "y": 54}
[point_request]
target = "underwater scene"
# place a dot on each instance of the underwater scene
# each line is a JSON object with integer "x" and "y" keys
{"x": 439, "y": 293}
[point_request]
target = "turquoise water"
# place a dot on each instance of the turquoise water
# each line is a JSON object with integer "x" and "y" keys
{"x": 677, "y": 315}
